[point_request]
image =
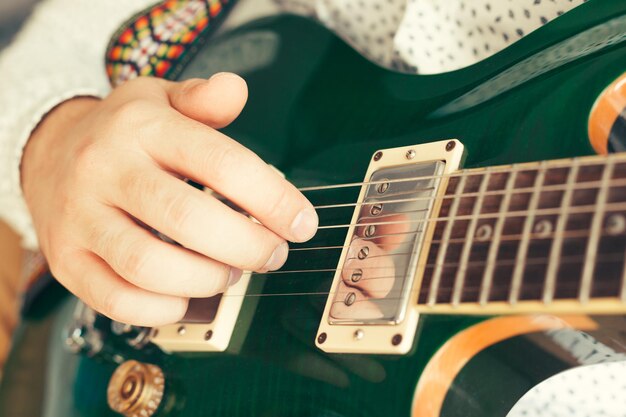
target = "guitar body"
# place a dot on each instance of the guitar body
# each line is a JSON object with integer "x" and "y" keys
{"x": 318, "y": 111}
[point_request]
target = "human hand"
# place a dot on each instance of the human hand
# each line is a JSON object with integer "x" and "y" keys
{"x": 92, "y": 168}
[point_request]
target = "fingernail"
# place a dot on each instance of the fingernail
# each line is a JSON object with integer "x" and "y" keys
{"x": 234, "y": 276}
{"x": 278, "y": 258}
{"x": 304, "y": 226}
{"x": 220, "y": 75}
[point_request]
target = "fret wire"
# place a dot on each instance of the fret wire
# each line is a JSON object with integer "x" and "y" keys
{"x": 594, "y": 238}
{"x": 459, "y": 279}
{"x": 522, "y": 252}
{"x": 622, "y": 295}
{"x": 557, "y": 243}
{"x": 495, "y": 243}
{"x": 443, "y": 248}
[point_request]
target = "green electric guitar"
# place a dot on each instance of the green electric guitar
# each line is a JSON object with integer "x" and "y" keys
{"x": 471, "y": 245}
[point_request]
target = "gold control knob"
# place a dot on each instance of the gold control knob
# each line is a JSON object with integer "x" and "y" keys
{"x": 136, "y": 389}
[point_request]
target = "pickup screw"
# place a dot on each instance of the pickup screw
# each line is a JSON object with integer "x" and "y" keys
{"x": 378, "y": 155}
{"x": 358, "y": 334}
{"x": 396, "y": 339}
{"x": 208, "y": 335}
{"x": 376, "y": 209}
{"x": 356, "y": 275}
{"x": 350, "y": 299}
{"x": 382, "y": 188}
{"x": 363, "y": 252}
{"x": 181, "y": 330}
{"x": 321, "y": 338}
{"x": 370, "y": 230}
{"x": 410, "y": 154}
{"x": 450, "y": 145}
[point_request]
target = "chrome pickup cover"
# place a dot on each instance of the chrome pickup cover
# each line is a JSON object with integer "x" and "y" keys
{"x": 383, "y": 251}
{"x": 372, "y": 303}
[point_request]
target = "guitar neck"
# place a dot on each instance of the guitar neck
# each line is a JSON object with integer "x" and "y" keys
{"x": 539, "y": 236}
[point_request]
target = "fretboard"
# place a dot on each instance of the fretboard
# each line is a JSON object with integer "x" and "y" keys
{"x": 550, "y": 232}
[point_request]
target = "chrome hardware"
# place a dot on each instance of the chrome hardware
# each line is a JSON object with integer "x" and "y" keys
{"x": 350, "y": 299}
{"x": 384, "y": 254}
{"x": 136, "y": 389}
{"x": 370, "y": 230}
{"x": 376, "y": 209}
{"x": 181, "y": 330}
{"x": 135, "y": 336}
{"x": 81, "y": 334}
{"x": 356, "y": 276}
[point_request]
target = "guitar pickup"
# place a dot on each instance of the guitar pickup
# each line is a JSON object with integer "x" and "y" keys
{"x": 371, "y": 307}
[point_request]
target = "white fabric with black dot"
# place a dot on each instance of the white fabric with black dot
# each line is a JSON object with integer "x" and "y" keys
{"x": 431, "y": 36}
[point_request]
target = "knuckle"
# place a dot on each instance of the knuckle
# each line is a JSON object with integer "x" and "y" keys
{"x": 220, "y": 160}
{"x": 87, "y": 159}
{"x": 278, "y": 203}
{"x": 111, "y": 304}
{"x": 141, "y": 185}
{"x": 179, "y": 210}
{"x": 135, "y": 263}
{"x": 130, "y": 113}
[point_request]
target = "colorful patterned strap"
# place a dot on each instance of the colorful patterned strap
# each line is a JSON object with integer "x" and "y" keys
{"x": 160, "y": 40}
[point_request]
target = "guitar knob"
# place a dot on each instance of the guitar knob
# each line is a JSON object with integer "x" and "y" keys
{"x": 136, "y": 389}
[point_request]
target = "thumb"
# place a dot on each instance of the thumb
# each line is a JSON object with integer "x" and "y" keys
{"x": 215, "y": 102}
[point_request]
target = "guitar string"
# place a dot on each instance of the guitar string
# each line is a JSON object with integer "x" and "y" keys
{"x": 426, "y": 290}
{"x": 532, "y": 167}
{"x": 583, "y": 209}
{"x": 507, "y": 238}
{"x": 617, "y": 182}
{"x": 498, "y": 262}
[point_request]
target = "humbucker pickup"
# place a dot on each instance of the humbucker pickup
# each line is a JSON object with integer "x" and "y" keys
{"x": 371, "y": 304}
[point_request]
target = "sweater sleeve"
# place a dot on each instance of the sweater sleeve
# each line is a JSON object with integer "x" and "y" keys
{"x": 59, "y": 54}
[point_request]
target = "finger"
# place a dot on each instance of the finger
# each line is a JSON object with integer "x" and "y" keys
{"x": 375, "y": 275}
{"x": 213, "y": 159}
{"x": 154, "y": 265}
{"x": 216, "y": 101}
{"x": 197, "y": 220}
{"x": 94, "y": 282}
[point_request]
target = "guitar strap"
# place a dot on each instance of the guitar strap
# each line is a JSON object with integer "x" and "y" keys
{"x": 156, "y": 42}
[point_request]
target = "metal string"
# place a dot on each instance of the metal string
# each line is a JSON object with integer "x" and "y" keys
{"x": 536, "y": 235}
{"x": 517, "y": 213}
{"x": 538, "y": 261}
{"x": 559, "y": 163}
{"x": 523, "y": 190}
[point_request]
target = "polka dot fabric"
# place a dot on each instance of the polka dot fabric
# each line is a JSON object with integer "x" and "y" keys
{"x": 432, "y": 36}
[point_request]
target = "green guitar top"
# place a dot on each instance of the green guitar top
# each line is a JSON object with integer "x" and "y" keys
{"x": 429, "y": 290}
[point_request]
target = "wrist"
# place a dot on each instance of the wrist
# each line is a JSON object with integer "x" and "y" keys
{"x": 44, "y": 141}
